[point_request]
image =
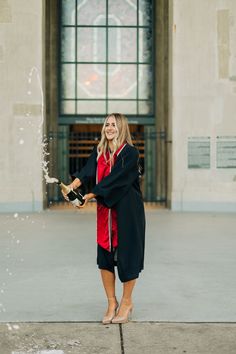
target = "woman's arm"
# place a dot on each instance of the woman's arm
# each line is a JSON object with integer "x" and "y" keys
{"x": 88, "y": 172}
{"x": 114, "y": 186}
{"x": 85, "y": 174}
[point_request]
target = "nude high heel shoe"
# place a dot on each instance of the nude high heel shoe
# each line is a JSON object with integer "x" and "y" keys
{"x": 108, "y": 318}
{"x": 126, "y": 317}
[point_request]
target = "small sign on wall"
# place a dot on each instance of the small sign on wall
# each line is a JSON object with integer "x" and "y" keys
{"x": 226, "y": 151}
{"x": 199, "y": 152}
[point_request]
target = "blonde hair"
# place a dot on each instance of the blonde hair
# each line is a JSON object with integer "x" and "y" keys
{"x": 123, "y": 135}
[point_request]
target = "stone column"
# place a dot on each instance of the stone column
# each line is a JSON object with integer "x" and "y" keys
{"x": 22, "y": 105}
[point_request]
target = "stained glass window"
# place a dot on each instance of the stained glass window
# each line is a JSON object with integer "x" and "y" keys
{"x": 106, "y": 58}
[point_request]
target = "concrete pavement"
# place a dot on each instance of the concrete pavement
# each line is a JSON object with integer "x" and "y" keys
{"x": 48, "y": 273}
{"x": 131, "y": 338}
{"x": 48, "y": 268}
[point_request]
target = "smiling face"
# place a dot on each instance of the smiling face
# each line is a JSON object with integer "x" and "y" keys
{"x": 111, "y": 130}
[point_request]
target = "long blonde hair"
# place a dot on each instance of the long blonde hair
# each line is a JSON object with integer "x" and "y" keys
{"x": 123, "y": 135}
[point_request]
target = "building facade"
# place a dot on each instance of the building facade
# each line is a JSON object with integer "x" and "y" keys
{"x": 169, "y": 65}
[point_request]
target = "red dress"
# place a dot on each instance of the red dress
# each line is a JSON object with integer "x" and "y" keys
{"x": 107, "y": 232}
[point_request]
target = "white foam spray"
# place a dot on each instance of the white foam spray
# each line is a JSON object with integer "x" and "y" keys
{"x": 43, "y": 143}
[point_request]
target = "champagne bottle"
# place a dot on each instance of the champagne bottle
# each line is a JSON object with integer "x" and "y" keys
{"x": 74, "y": 197}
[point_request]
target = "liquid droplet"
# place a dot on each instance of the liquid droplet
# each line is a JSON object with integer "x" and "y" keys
{"x": 16, "y": 326}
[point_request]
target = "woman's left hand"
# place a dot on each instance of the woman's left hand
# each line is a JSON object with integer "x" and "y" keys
{"x": 87, "y": 198}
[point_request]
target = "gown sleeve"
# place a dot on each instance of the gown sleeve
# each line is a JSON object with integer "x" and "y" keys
{"x": 88, "y": 172}
{"x": 123, "y": 174}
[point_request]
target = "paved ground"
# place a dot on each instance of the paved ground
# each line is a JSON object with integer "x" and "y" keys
{"x": 48, "y": 274}
{"x": 131, "y": 338}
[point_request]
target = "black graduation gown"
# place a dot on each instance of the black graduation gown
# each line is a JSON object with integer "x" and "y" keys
{"x": 121, "y": 190}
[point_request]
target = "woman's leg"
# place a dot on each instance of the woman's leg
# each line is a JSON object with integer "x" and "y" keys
{"x": 127, "y": 292}
{"x": 126, "y": 304}
{"x": 108, "y": 279}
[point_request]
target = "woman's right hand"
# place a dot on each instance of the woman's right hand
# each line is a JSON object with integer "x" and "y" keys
{"x": 74, "y": 185}
{"x": 65, "y": 196}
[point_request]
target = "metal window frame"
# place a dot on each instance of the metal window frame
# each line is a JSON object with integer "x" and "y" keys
{"x": 144, "y": 119}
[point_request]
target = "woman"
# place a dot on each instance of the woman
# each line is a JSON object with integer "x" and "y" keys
{"x": 120, "y": 212}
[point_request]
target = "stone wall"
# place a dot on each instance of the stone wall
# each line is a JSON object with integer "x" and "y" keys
{"x": 22, "y": 105}
{"x": 203, "y": 104}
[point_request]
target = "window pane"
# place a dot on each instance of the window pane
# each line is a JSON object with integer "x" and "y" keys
{"x": 68, "y": 80}
{"x": 68, "y": 12}
{"x": 122, "y": 12}
{"x": 145, "y": 45}
{"x": 145, "y": 81}
{"x": 125, "y": 107}
{"x": 122, "y": 44}
{"x": 122, "y": 81}
{"x": 145, "y": 12}
{"x": 68, "y": 44}
{"x": 91, "y": 107}
{"x": 145, "y": 107}
{"x": 68, "y": 107}
{"x": 91, "y": 12}
{"x": 91, "y": 81}
{"x": 91, "y": 44}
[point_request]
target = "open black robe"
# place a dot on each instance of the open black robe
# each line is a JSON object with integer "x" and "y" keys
{"x": 121, "y": 190}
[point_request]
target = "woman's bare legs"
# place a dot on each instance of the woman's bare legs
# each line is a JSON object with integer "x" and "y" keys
{"x": 126, "y": 304}
{"x": 108, "y": 279}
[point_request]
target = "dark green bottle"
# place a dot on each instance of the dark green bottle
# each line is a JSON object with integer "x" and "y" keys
{"x": 74, "y": 197}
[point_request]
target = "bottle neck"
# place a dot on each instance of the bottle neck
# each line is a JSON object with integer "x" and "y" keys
{"x": 64, "y": 188}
